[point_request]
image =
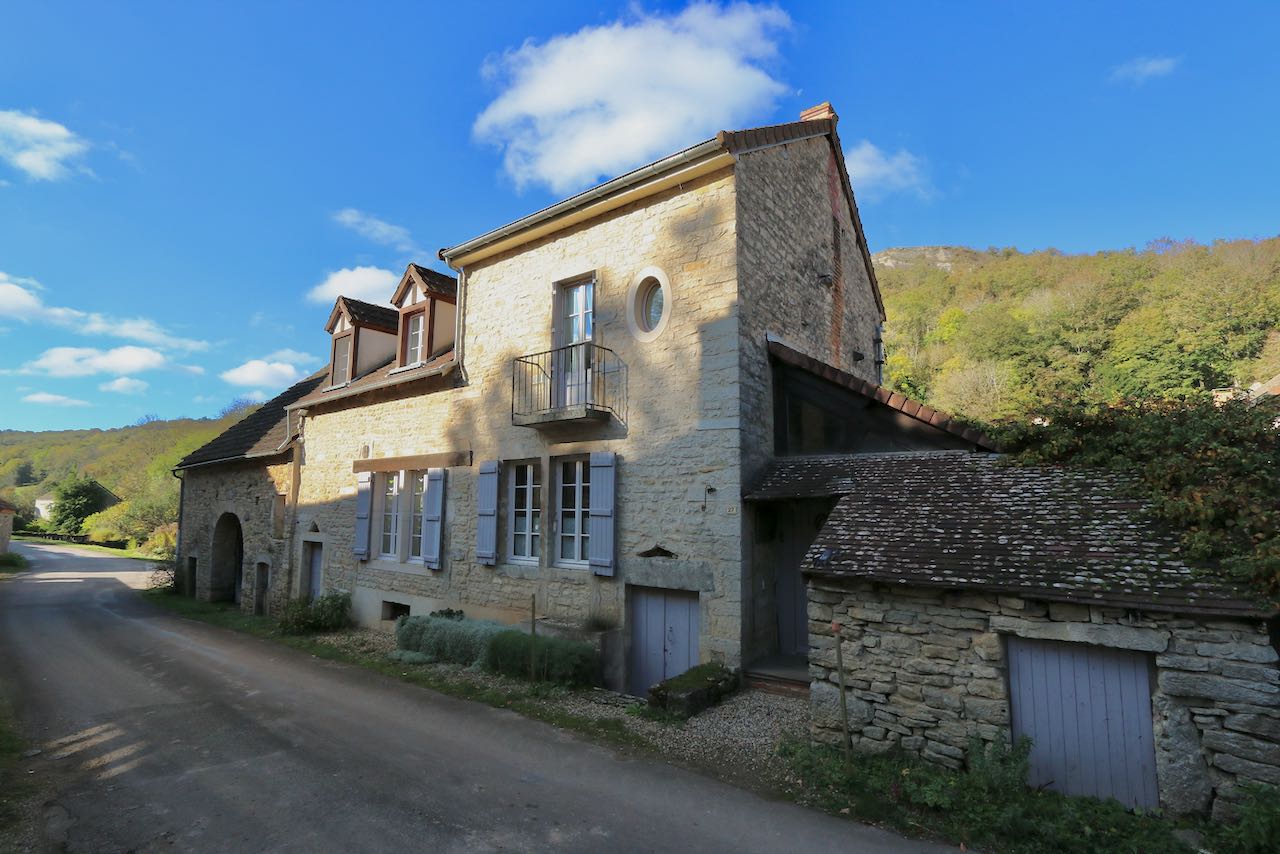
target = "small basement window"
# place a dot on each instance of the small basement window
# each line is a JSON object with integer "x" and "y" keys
{"x": 394, "y": 610}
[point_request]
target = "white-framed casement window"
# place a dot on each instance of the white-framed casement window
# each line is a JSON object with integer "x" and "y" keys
{"x": 417, "y": 486}
{"x": 387, "y": 513}
{"x": 524, "y": 511}
{"x": 414, "y": 341}
{"x": 573, "y": 511}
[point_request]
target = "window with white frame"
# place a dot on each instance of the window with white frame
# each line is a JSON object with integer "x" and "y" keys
{"x": 524, "y": 511}
{"x": 389, "y": 515}
{"x": 413, "y": 345}
{"x": 573, "y": 503}
{"x": 418, "y": 486}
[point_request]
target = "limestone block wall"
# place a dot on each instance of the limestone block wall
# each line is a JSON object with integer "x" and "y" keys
{"x": 676, "y": 437}
{"x": 248, "y": 490}
{"x": 801, "y": 274}
{"x": 925, "y": 671}
{"x": 6, "y": 529}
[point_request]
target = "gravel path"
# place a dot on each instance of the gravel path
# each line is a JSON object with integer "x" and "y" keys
{"x": 737, "y": 739}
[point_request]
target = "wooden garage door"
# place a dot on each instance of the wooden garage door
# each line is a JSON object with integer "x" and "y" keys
{"x": 1087, "y": 710}
{"x": 664, "y": 635}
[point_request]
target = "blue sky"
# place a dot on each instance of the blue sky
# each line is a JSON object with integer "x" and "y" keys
{"x": 184, "y": 186}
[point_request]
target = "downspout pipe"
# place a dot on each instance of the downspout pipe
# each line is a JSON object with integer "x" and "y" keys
{"x": 177, "y": 547}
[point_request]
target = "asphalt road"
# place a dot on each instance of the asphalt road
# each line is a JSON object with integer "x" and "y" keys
{"x": 160, "y": 733}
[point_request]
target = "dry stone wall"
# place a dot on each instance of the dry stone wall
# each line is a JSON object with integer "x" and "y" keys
{"x": 925, "y": 672}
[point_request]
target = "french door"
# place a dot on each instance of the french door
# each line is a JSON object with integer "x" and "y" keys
{"x": 571, "y": 367}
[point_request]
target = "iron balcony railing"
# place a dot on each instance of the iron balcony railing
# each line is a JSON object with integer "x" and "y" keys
{"x": 578, "y": 381}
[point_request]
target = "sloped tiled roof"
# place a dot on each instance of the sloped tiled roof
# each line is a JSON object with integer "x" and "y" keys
{"x": 259, "y": 434}
{"x": 972, "y": 521}
{"x": 892, "y": 399}
{"x": 381, "y": 377}
{"x": 437, "y": 282}
{"x": 367, "y": 314}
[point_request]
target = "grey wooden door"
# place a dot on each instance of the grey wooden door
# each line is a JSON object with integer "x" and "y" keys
{"x": 315, "y": 570}
{"x": 1087, "y": 710}
{"x": 664, "y": 635}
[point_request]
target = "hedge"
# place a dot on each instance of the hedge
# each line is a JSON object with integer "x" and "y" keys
{"x": 446, "y": 638}
{"x": 558, "y": 660}
{"x": 329, "y": 613}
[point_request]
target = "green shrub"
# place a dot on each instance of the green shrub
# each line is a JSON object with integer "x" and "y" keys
{"x": 558, "y": 660}
{"x": 1256, "y": 827}
{"x": 986, "y": 806}
{"x": 696, "y": 689}
{"x": 449, "y": 614}
{"x": 407, "y": 656}
{"x": 329, "y": 613}
{"x": 446, "y": 638}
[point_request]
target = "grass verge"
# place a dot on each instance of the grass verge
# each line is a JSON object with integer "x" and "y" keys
{"x": 15, "y": 789}
{"x": 89, "y": 547}
{"x": 526, "y": 699}
{"x": 12, "y": 562}
{"x": 986, "y": 806}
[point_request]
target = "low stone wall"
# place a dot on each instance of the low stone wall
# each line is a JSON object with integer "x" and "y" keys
{"x": 925, "y": 672}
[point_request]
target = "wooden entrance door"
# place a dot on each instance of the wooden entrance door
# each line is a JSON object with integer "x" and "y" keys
{"x": 315, "y": 570}
{"x": 664, "y": 635}
{"x": 1087, "y": 710}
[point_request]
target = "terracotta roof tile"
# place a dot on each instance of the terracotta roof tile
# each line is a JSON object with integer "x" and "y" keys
{"x": 892, "y": 399}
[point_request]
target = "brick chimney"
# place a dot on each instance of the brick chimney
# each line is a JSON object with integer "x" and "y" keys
{"x": 822, "y": 111}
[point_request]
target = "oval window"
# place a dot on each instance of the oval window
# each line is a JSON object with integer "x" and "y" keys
{"x": 649, "y": 302}
{"x": 651, "y": 305}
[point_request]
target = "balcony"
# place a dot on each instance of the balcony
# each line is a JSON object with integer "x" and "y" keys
{"x": 577, "y": 384}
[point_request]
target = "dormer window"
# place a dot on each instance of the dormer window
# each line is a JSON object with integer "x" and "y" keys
{"x": 426, "y": 301}
{"x": 364, "y": 339}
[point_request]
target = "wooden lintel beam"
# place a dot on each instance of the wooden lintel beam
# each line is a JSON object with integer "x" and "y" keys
{"x": 449, "y": 459}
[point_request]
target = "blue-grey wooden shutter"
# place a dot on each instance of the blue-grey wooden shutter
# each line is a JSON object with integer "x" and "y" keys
{"x": 603, "y": 486}
{"x": 364, "y": 506}
{"x": 487, "y": 508}
{"x": 432, "y": 518}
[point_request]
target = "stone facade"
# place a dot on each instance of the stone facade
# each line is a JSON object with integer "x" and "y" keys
{"x": 6, "y": 528}
{"x": 765, "y": 246}
{"x": 259, "y": 497}
{"x": 925, "y": 671}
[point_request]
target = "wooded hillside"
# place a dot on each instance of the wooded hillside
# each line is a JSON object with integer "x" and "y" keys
{"x": 1000, "y": 334}
{"x": 133, "y": 462}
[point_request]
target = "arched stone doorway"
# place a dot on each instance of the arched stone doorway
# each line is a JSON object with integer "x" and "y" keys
{"x": 226, "y": 575}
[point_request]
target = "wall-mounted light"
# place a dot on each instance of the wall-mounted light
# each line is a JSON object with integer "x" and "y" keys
{"x": 707, "y": 490}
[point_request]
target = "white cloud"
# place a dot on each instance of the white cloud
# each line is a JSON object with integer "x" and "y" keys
{"x": 87, "y": 361}
{"x": 257, "y": 395}
{"x": 1144, "y": 68}
{"x": 875, "y": 174}
{"x": 260, "y": 372}
{"x": 19, "y": 299}
{"x": 371, "y": 284}
{"x": 606, "y": 98}
{"x": 47, "y": 399}
{"x": 125, "y": 385}
{"x": 377, "y": 230}
{"x": 292, "y": 357}
{"x": 44, "y": 150}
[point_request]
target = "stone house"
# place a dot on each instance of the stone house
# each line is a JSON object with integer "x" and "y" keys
{"x": 977, "y": 599}
{"x": 7, "y": 512}
{"x": 103, "y": 498}
{"x": 572, "y": 419}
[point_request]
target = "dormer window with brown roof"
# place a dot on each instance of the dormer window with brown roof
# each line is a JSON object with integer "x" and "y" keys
{"x": 427, "y": 304}
{"x": 364, "y": 338}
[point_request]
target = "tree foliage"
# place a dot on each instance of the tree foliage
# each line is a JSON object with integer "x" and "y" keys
{"x": 75, "y": 499}
{"x": 1001, "y": 334}
{"x": 1211, "y": 470}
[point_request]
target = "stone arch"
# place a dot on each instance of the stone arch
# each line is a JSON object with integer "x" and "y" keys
{"x": 226, "y": 571}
